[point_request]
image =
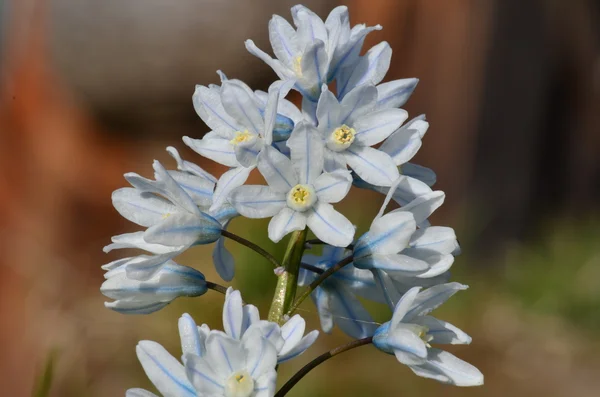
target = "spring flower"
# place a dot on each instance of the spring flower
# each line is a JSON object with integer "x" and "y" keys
{"x": 242, "y": 124}
{"x": 299, "y": 194}
{"x": 315, "y": 52}
{"x": 144, "y": 297}
{"x": 394, "y": 244}
{"x": 242, "y": 321}
{"x": 170, "y": 209}
{"x": 410, "y": 332}
{"x": 349, "y": 129}
{"x": 336, "y": 298}
{"x": 228, "y": 368}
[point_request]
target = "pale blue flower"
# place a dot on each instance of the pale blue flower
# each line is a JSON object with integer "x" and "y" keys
{"x": 242, "y": 321}
{"x": 349, "y": 129}
{"x": 170, "y": 209}
{"x": 242, "y": 122}
{"x": 299, "y": 193}
{"x": 144, "y": 297}
{"x": 394, "y": 245}
{"x": 226, "y": 368}
{"x": 315, "y": 52}
{"x": 336, "y": 298}
{"x": 410, "y": 332}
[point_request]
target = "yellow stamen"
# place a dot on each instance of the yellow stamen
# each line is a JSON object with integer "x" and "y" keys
{"x": 297, "y": 63}
{"x": 300, "y": 194}
{"x": 344, "y": 134}
{"x": 241, "y": 136}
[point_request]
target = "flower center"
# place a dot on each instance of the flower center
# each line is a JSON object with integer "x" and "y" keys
{"x": 297, "y": 65}
{"x": 241, "y": 136}
{"x": 239, "y": 384}
{"x": 301, "y": 197}
{"x": 341, "y": 138}
{"x": 422, "y": 332}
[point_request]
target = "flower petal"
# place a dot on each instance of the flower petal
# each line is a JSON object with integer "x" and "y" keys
{"x": 403, "y": 144}
{"x": 285, "y": 222}
{"x": 360, "y": 101}
{"x": 334, "y": 161}
{"x": 142, "y": 208}
{"x": 190, "y": 167}
{"x": 371, "y": 68}
{"x": 163, "y": 370}
{"x": 423, "y": 206}
{"x": 145, "y": 267}
{"x": 431, "y": 298}
{"x": 239, "y": 102}
{"x": 372, "y": 165}
{"x": 223, "y": 260}
{"x": 227, "y": 182}
{"x": 207, "y": 103}
{"x": 443, "y": 332}
{"x": 446, "y": 368}
{"x": 279, "y": 69}
{"x": 277, "y": 91}
{"x": 328, "y": 111}
{"x": 314, "y": 70}
{"x": 199, "y": 189}
{"x": 394, "y": 94}
{"x": 261, "y": 356}
{"x": 207, "y": 380}
{"x": 233, "y": 314}
{"x": 374, "y": 127}
{"x": 277, "y": 170}
{"x": 184, "y": 229}
{"x": 423, "y": 174}
{"x": 300, "y": 347}
{"x": 136, "y": 240}
{"x": 330, "y": 226}
{"x": 139, "y": 393}
{"x": 125, "y": 306}
{"x": 266, "y": 384}
{"x": 253, "y": 201}
{"x": 322, "y": 300}
{"x": 292, "y": 332}
{"x": 226, "y": 355}
{"x": 388, "y": 234}
{"x": 349, "y": 314}
{"x": 283, "y": 39}
{"x": 408, "y": 348}
{"x": 219, "y": 150}
{"x": 192, "y": 341}
{"x": 306, "y": 150}
{"x": 332, "y": 187}
{"x": 403, "y": 306}
{"x": 170, "y": 282}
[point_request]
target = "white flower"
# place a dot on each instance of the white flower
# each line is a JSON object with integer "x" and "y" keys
{"x": 351, "y": 127}
{"x": 315, "y": 52}
{"x": 299, "y": 194}
{"x": 410, "y": 332}
{"x": 144, "y": 297}
{"x": 336, "y": 298}
{"x": 242, "y": 124}
{"x": 227, "y": 368}
{"x": 177, "y": 210}
{"x": 242, "y": 321}
{"x": 394, "y": 245}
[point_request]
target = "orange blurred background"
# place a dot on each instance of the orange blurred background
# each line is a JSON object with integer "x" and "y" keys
{"x": 90, "y": 90}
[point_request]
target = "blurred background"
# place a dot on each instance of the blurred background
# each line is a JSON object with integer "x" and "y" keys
{"x": 90, "y": 90}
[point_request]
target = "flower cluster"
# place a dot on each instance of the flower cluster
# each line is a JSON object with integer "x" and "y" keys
{"x": 310, "y": 157}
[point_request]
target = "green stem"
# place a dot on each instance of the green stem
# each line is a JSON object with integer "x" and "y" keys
{"x": 322, "y": 358}
{"x": 287, "y": 280}
{"x": 322, "y": 277}
{"x": 252, "y": 246}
